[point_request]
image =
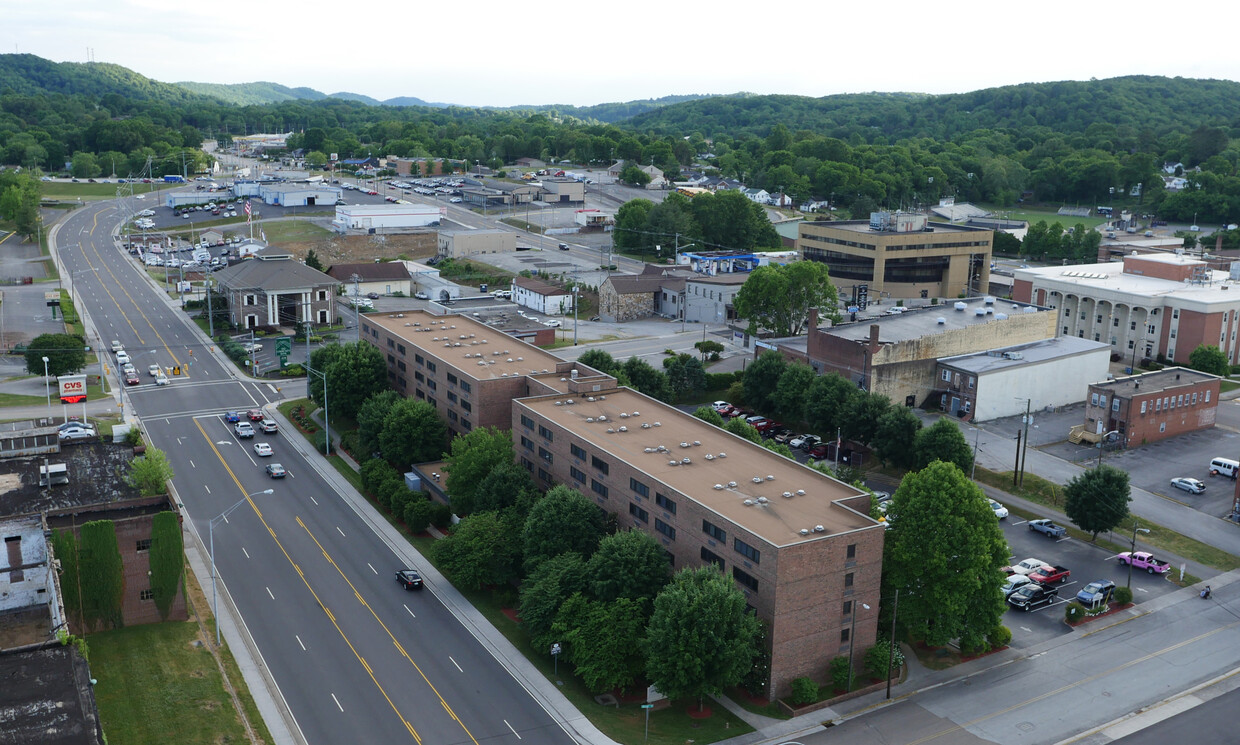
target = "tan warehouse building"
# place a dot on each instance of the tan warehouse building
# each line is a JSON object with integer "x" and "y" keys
{"x": 799, "y": 544}
{"x": 900, "y": 255}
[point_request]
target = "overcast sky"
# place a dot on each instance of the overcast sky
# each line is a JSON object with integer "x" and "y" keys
{"x": 486, "y": 52}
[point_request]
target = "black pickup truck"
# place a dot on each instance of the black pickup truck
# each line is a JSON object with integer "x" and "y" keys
{"x": 1033, "y": 595}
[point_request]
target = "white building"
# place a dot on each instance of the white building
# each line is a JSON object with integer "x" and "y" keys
{"x": 460, "y": 244}
{"x": 709, "y": 299}
{"x": 1052, "y": 372}
{"x": 374, "y": 217}
{"x": 541, "y": 296}
{"x": 299, "y": 194}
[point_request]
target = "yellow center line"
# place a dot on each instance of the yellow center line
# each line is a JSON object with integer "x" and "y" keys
{"x": 110, "y": 295}
{"x": 121, "y": 285}
{"x": 1075, "y": 684}
{"x": 409, "y": 726}
{"x": 392, "y": 636}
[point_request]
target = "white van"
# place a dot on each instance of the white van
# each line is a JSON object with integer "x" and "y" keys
{"x": 1225, "y": 467}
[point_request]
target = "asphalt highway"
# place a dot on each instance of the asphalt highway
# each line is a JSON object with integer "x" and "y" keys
{"x": 357, "y": 658}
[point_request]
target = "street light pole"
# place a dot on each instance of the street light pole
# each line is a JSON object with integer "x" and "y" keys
{"x": 891, "y": 650}
{"x": 47, "y": 385}
{"x": 977, "y": 433}
{"x": 1133, "y": 549}
{"x": 215, "y": 608}
{"x": 852, "y": 640}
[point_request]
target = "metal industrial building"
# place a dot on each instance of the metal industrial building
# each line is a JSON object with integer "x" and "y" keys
{"x": 385, "y": 217}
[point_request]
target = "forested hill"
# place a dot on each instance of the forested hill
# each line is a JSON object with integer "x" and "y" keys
{"x": 29, "y": 75}
{"x": 248, "y": 94}
{"x": 1142, "y": 103}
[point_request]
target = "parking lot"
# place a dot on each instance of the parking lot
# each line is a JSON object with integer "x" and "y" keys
{"x": 1086, "y": 562}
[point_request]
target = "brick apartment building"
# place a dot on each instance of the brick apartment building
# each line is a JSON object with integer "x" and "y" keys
{"x": 800, "y": 545}
{"x": 1147, "y": 305}
{"x": 1153, "y": 406}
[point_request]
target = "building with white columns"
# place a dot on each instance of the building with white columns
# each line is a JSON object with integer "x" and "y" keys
{"x": 1145, "y": 306}
{"x": 274, "y": 289}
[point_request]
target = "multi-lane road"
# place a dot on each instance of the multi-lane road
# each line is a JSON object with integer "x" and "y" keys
{"x": 356, "y": 658}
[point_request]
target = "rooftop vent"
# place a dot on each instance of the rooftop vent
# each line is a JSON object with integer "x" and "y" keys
{"x": 748, "y": 503}
{"x": 757, "y": 479}
{"x": 624, "y": 415}
{"x": 718, "y": 487}
{"x": 769, "y": 477}
{"x": 685, "y": 461}
{"x": 763, "y": 500}
{"x": 589, "y": 419}
{"x": 731, "y": 484}
{"x": 787, "y": 494}
{"x": 684, "y": 444}
{"x": 960, "y": 306}
{"x": 803, "y": 531}
{"x": 819, "y": 529}
{"x": 645, "y": 425}
{"x": 989, "y": 300}
{"x": 648, "y": 450}
{"x": 673, "y": 463}
{"x": 940, "y": 320}
{"x": 697, "y": 442}
{"x": 800, "y": 492}
{"x": 723, "y": 455}
{"x": 624, "y": 429}
{"x": 658, "y": 424}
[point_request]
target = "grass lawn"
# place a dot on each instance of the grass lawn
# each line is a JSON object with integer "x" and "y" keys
{"x": 1228, "y": 385}
{"x": 19, "y": 399}
{"x": 91, "y": 192}
{"x": 1050, "y": 216}
{"x": 289, "y": 231}
{"x": 159, "y": 679}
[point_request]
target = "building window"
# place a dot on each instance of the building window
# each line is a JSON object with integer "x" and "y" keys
{"x": 251, "y": 300}
{"x": 527, "y": 443}
{"x": 599, "y": 465}
{"x": 665, "y": 529}
{"x": 431, "y": 384}
{"x": 400, "y": 366}
{"x": 400, "y": 348}
{"x": 527, "y": 422}
{"x": 844, "y": 635}
{"x": 545, "y": 455}
{"x": 637, "y": 512}
{"x": 848, "y": 607}
{"x": 146, "y": 595}
{"x": 665, "y": 503}
{"x": 1132, "y": 326}
{"x": 452, "y": 397}
{"x": 1150, "y": 329}
{"x": 543, "y": 475}
{"x": 391, "y": 343}
{"x": 1194, "y": 399}
{"x": 529, "y": 464}
{"x": 710, "y": 557}
{"x": 1143, "y": 403}
{"x": 598, "y": 488}
{"x": 1115, "y": 404}
{"x": 1093, "y": 399}
{"x": 639, "y": 488}
{"x": 1099, "y": 318}
{"x": 1102, "y": 400}
{"x": 1162, "y": 426}
{"x": 1115, "y": 322}
{"x": 546, "y": 434}
{"x": 419, "y": 377}
{"x": 466, "y": 387}
{"x": 1207, "y": 397}
{"x": 744, "y": 579}
{"x": 143, "y": 545}
{"x": 465, "y": 425}
{"x": 1175, "y": 312}
{"x": 431, "y": 366}
{"x": 451, "y": 377}
{"x": 466, "y": 405}
{"x": 714, "y": 532}
{"x": 851, "y": 551}
{"x": 577, "y": 474}
{"x": 848, "y": 580}
{"x": 947, "y": 374}
{"x": 418, "y": 359}
{"x": 451, "y": 415}
{"x": 578, "y": 452}
{"x": 749, "y": 552}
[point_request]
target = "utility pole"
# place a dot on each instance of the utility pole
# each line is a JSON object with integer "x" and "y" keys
{"x": 1025, "y": 451}
{"x": 1016, "y": 465}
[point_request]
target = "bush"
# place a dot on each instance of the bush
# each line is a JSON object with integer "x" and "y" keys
{"x": 839, "y": 672}
{"x": 804, "y": 691}
{"x": 441, "y": 515}
{"x": 876, "y": 659}
{"x": 134, "y": 438}
{"x": 418, "y": 514}
{"x": 999, "y": 636}
{"x": 1122, "y": 595}
{"x": 374, "y": 472}
{"x": 320, "y": 441}
{"x": 397, "y": 496}
{"x": 1074, "y": 612}
{"x": 736, "y": 394}
{"x": 348, "y": 441}
{"x": 720, "y": 381}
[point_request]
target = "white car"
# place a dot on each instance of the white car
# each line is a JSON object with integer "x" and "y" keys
{"x": 262, "y": 449}
{"x": 1000, "y": 511}
{"x": 155, "y": 371}
{"x": 122, "y": 357}
{"x": 1027, "y": 566}
{"x": 552, "y": 324}
{"x": 117, "y": 346}
{"x": 1014, "y": 583}
{"x": 1192, "y": 486}
{"x": 129, "y": 369}
{"x": 161, "y": 379}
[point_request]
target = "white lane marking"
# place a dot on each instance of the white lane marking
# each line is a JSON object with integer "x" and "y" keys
{"x": 372, "y": 569}
{"x": 410, "y": 612}
{"x": 204, "y": 486}
{"x": 454, "y": 662}
{"x": 338, "y": 706}
{"x": 273, "y": 597}
{"x": 341, "y": 532}
{"x": 191, "y": 463}
{"x": 513, "y": 730}
{"x": 225, "y": 519}
{"x": 299, "y": 641}
{"x": 316, "y": 502}
{"x": 247, "y": 553}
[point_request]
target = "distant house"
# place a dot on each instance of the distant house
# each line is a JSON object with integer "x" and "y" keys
{"x": 658, "y": 290}
{"x": 1175, "y": 183}
{"x": 761, "y": 196}
{"x": 385, "y": 277}
{"x": 1171, "y": 168}
{"x": 541, "y": 296}
{"x": 357, "y": 163}
{"x": 657, "y": 179}
{"x": 718, "y": 183}
{"x": 274, "y": 289}
{"x": 616, "y": 168}
{"x": 531, "y": 163}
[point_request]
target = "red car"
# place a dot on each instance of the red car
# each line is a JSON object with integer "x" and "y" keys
{"x": 132, "y": 379}
{"x": 818, "y": 451}
{"x": 255, "y": 415}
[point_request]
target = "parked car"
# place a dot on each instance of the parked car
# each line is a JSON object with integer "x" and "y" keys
{"x": 1033, "y": 595}
{"x": 818, "y": 451}
{"x": 117, "y": 346}
{"x": 1144, "y": 560}
{"x": 1099, "y": 590}
{"x": 421, "y": 296}
{"x": 1049, "y": 575}
{"x": 1001, "y": 512}
{"x": 262, "y": 449}
{"x": 1048, "y": 528}
{"x": 720, "y": 405}
{"x": 1192, "y": 486}
{"x": 552, "y": 324}
{"x": 1014, "y": 583}
{"x": 77, "y": 433}
{"x": 803, "y": 442}
{"x": 409, "y": 579}
{"x": 269, "y": 426}
{"x": 275, "y": 470}
{"x": 1028, "y": 565}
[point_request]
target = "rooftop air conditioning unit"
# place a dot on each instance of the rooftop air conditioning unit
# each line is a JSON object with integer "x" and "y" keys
{"x": 757, "y": 479}
{"x": 709, "y": 456}
{"x": 624, "y": 429}
{"x": 684, "y": 444}
{"x": 589, "y": 419}
{"x": 623, "y": 414}
{"x": 989, "y": 300}
{"x": 770, "y": 477}
{"x": 645, "y": 425}
{"x": 718, "y": 487}
{"x": 748, "y": 503}
{"x": 803, "y": 531}
{"x": 673, "y": 463}
{"x": 819, "y": 529}
{"x": 960, "y": 306}
{"x": 658, "y": 424}
{"x": 787, "y": 494}
{"x": 763, "y": 500}
{"x": 648, "y": 450}
{"x": 685, "y": 461}
{"x": 723, "y": 455}
{"x": 800, "y": 492}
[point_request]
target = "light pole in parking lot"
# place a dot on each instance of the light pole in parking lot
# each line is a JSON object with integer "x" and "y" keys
{"x": 47, "y": 385}
{"x": 1133, "y": 549}
{"x": 215, "y": 608}
{"x": 1102, "y": 443}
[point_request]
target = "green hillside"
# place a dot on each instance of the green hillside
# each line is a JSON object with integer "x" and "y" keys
{"x": 251, "y": 94}
{"x": 26, "y": 74}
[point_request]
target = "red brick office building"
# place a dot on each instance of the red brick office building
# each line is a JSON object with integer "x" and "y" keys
{"x": 1153, "y": 406}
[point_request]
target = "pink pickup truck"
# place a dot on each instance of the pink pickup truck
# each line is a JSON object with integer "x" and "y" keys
{"x": 1146, "y": 561}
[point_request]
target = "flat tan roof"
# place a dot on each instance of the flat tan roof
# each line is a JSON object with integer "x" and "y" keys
{"x": 476, "y": 349}
{"x": 716, "y": 457}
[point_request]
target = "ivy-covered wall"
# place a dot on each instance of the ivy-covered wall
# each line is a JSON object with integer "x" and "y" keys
{"x": 167, "y": 557}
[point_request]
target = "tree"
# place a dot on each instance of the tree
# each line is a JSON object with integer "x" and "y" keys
{"x": 630, "y": 230}
{"x": 312, "y": 261}
{"x": 631, "y": 174}
{"x": 685, "y": 375}
{"x": 545, "y": 589}
{"x": 412, "y": 433}
{"x": 828, "y": 402}
{"x": 629, "y": 564}
{"x": 353, "y": 372}
{"x": 506, "y": 485}
{"x": 701, "y": 639}
{"x": 943, "y": 553}
{"x": 483, "y": 549}
{"x": 862, "y": 415}
{"x": 563, "y": 520}
{"x": 709, "y": 348}
{"x": 65, "y": 353}
{"x": 780, "y": 298}
{"x": 1209, "y": 359}
{"x": 708, "y": 415}
{"x": 893, "y": 439}
{"x": 150, "y": 473}
{"x": 472, "y": 457}
{"x": 762, "y": 378}
{"x": 600, "y": 360}
{"x": 1097, "y": 500}
{"x": 646, "y": 379}
{"x": 790, "y": 392}
{"x": 741, "y": 428}
{"x": 603, "y": 640}
{"x": 370, "y": 418}
{"x": 943, "y": 441}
